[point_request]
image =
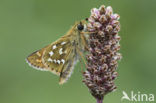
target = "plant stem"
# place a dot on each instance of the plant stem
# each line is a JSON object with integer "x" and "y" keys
{"x": 99, "y": 100}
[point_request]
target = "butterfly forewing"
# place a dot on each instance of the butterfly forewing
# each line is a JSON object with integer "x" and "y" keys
{"x": 56, "y": 54}
{"x": 59, "y": 57}
{"x": 35, "y": 60}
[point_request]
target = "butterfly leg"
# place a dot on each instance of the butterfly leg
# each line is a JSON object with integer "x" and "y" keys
{"x": 81, "y": 55}
{"x": 85, "y": 42}
{"x": 87, "y": 32}
{"x": 81, "y": 66}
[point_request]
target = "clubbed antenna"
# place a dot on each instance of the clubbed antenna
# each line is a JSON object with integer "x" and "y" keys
{"x": 103, "y": 52}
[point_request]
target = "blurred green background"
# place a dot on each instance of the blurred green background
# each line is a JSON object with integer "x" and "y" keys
{"x": 28, "y": 25}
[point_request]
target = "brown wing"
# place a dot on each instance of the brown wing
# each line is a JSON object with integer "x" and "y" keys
{"x": 35, "y": 60}
{"x": 59, "y": 58}
{"x": 68, "y": 67}
{"x": 54, "y": 56}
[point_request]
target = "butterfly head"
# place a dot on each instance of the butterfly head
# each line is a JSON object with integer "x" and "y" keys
{"x": 81, "y": 26}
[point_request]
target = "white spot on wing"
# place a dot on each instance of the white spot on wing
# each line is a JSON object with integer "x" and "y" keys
{"x": 54, "y": 47}
{"x": 51, "y": 53}
{"x": 63, "y": 43}
{"x": 50, "y": 60}
{"x": 58, "y": 61}
{"x": 63, "y": 61}
{"x": 60, "y": 51}
{"x": 55, "y": 60}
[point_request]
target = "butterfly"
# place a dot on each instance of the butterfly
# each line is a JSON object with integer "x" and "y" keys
{"x": 61, "y": 56}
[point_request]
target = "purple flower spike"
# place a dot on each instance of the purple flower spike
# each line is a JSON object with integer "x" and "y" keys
{"x": 103, "y": 53}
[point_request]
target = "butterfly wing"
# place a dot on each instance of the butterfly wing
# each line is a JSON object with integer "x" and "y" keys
{"x": 35, "y": 60}
{"x": 68, "y": 67}
{"x": 59, "y": 58}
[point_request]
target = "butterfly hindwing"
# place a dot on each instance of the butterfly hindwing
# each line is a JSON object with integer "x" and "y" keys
{"x": 68, "y": 67}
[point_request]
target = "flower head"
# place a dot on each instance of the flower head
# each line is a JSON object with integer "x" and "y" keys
{"x": 103, "y": 51}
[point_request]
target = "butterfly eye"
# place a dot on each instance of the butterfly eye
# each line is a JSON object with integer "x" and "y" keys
{"x": 80, "y": 27}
